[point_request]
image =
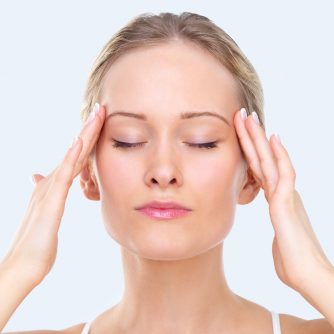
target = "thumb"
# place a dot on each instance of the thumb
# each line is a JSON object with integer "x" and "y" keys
{"x": 35, "y": 178}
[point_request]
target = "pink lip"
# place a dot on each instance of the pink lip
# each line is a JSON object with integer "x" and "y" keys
{"x": 163, "y": 205}
{"x": 164, "y": 213}
{"x": 164, "y": 210}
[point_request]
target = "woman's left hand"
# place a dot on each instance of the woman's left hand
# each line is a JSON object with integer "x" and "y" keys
{"x": 297, "y": 253}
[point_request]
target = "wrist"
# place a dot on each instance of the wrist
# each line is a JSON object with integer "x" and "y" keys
{"x": 318, "y": 282}
{"x": 14, "y": 287}
{"x": 316, "y": 271}
{"x": 17, "y": 276}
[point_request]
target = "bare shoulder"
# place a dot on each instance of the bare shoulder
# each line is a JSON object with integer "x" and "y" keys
{"x": 294, "y": 325}
{"x": 76, "y": 329}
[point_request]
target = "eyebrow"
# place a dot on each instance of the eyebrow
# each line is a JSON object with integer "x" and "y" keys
{"x": 183, "y": 115}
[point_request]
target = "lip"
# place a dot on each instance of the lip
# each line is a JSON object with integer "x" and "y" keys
{"x": 164, "y": 213}
{"x": 163, "y": 205}
{"x": 164, "y": 210}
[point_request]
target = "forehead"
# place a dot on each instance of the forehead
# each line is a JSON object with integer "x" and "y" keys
{"x": 164, "y": 79}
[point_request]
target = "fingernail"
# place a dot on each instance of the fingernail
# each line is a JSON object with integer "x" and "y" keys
{"x": 32, "y": 180}
{"x": 75, "y": 140}
{"x": 278, "y": 137}
{"x": 255, "y": 117}
{"x": 93, "y": 113}
{"x": 243, "y": 113}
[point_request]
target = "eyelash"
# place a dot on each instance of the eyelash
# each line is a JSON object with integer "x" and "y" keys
{"x": 119, "y": 144}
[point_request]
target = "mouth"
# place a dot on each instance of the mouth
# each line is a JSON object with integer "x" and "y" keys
{"x": 164, "y": 213}
{"x": 164, "y": 205}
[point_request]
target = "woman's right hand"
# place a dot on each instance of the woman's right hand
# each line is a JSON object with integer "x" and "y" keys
{"x": 34, "y": 247}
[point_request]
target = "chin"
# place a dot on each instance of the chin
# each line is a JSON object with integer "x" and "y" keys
{"x": 165, "y": 240}
{"x": 167, "y": 249}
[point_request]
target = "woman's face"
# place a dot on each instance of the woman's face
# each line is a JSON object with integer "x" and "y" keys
{"x": 162, "y": 82}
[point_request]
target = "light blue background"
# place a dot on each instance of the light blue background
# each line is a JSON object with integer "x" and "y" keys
{"x": 47, "y": 51}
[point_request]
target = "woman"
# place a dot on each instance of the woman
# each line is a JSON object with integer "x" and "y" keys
{"x": 176, "y": 139}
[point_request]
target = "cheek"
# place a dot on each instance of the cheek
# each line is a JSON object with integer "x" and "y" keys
{"x": 116, "y": 172}
{"x": 117, "y": 177}
{"x": 214, "y": 173}
{"x": 214, "y": 184}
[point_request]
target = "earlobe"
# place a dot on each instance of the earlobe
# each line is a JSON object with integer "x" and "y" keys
{"x": 250, "y": 189}
{"x": 89, "y": 184}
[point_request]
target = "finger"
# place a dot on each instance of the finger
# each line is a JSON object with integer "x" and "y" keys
{"x": 89, "y": 134}
{"x": 48, "y": 197}
{"x": 61, "y": 182}
{"x": 286, "y": 171}
{"x": 35, "y": 178}
{"x": 265, "y": 155}
{"x": 248, "y": 148}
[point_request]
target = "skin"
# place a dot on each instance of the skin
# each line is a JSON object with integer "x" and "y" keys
{"x": 174, "y": 276}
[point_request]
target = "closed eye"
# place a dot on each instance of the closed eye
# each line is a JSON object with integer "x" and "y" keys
{"x": 119, "y": 144}
{"x": 209, "y": 145}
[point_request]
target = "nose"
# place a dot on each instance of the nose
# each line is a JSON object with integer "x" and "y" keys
{"x": 162, "y": 168}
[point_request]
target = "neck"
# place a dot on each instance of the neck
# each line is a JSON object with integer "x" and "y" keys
{"x": 180, "y": 296}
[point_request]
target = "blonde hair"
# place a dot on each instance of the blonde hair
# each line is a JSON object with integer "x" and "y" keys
{"x": 149, "y": 29}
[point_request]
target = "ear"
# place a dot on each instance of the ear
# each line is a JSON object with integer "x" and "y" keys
{"x": 89, "y": 184}
{"x": 250, "y": 189}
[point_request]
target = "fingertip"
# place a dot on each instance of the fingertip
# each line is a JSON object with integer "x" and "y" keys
{"x": 277, "y": 146}
{"x": 75, "y": 147}
{"x": 275, "y": 138}
{"x": 102, "y": 109}
{"x": 278, "y": 138}
{"x": 102, "y": 113}
{"x": 32, "y": 180}
{"x": 243, "y": 114}
{"x": 75, "y": 142}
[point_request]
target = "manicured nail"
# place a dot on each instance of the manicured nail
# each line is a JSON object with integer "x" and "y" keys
{"x": 75, "y": 140}
{"x": 255, "y": 117}
{"x": 278, "y": 137}
{"x": 93, "y": 113}
{"x": 243, "y": 113}
{"x": 32, "y": 180}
